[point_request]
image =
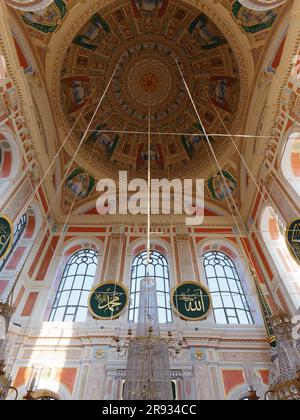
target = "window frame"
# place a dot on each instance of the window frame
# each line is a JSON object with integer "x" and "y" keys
{"x": 163, "y": 293}
{"x": 63, "y": 309}
{"x": 226, "y": 287}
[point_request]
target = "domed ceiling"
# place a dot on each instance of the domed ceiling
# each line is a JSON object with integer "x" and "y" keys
{"x": 146, "y": 36}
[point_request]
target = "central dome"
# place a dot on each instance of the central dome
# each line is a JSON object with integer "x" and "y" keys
{"x": 142, "y": 41}
{"x": 148, "y": 76}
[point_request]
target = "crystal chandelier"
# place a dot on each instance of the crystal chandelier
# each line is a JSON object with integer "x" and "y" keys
{"x": 6, "y": 312}
{"x": 148, "y": 375}
{"x": 284, "y": 377}
{"x": 285, "y": 369}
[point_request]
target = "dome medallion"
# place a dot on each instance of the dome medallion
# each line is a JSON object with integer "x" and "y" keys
{"x": 148, "y": 75}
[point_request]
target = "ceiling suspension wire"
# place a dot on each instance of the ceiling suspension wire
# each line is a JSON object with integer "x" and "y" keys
{"x": 87, "y": 130}
{"x": 172, "y": 133}
{"x": 149, "y": 191}
{"x": 242, "y": 158}
{"x": 246, "y": 233}
{"x": 45, "y": 217}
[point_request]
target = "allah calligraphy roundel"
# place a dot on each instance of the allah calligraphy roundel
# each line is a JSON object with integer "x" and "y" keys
{"x": 6, "y": 236}
{"x": 108, "y": 300}
{"x": 293, "y": 239}
{"x": 191, "y": 301}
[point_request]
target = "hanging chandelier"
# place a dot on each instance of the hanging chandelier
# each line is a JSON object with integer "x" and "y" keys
{"x": 6, "y": 312}
{"x": 285, "y": 371}
{"x": 148, "y": 375}
{"x": 5, "y": 383}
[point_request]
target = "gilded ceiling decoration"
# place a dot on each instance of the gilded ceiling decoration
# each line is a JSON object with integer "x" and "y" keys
{"x": 147, "y": 36}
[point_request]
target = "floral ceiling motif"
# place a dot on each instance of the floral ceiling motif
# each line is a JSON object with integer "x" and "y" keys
{"x": 148, "y": 37}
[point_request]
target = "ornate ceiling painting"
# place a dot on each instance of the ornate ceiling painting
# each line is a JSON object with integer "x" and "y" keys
{"x": 29, "y": 5}
{"x": 147, "y": 35}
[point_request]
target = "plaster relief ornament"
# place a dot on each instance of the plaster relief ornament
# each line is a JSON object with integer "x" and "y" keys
{"x": 199, "y": 355}
{"x": 99, "y": 354}
{"x": 146, "y": 36}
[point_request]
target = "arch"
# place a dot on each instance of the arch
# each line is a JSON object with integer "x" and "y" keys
{"x": 3, "y": 74}
{"x": 273, "y": 234}
{"x": 229, "y": 300}
{"x": 238, "y": 393}
{"x": 76, "y": 282}
{"x": 157, "y": 269}
{"x": 159, "y": 244}
{"x": 232, "y": 251}
{"x": 46, "y": 387}
{"x": 13, "y": 164}
{"x": 10, "y": 162}
{"x": 290, "y": 162}
{"x": 46, "y": 394}
{"x": 67, "y": 249}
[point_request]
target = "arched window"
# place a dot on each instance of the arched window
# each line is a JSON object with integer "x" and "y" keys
{"x": 290, "y": 163}
{"x": 2, "y": 69}
{"x": 71, "y": 299}
{"x": 19, "y": 230}
{"x": 229, "y": 300}
{"x": 273, "y": 229}
{"x": 10, "y": 162}
{"x": 159, "y": 270}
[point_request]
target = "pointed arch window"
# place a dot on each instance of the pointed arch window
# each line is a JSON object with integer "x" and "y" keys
{"x": 71, "y": 299}
{"x": 19, "y": 230}
{"x": 228, "y": 296}
{"x": 159, "y": 270}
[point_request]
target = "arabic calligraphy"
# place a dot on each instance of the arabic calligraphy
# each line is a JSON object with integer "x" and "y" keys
{"x": 6, "y": 234}
{"x": 107, "y": 300}
{"x": 293, "y": 239}
{"x": 191, "y": 301}
{"x": 296, "y": 233}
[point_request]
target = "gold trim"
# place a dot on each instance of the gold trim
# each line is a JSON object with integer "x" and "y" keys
{"x": 11, "y": 236}
{"x": 208, "y": 294}
{"x": 111, "y": 284}
{"x": 287, "y": 242}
